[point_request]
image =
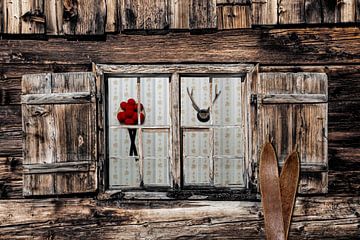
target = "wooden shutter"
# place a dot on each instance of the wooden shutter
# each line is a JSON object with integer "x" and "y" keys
{"x": 59, "y": 124}
{"x": 292, "y": 112}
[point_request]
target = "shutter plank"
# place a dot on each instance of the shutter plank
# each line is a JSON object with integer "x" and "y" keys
{"x": 132, "y": 14}
{"x": 297, "y": 124}
{"x": 60, "y": 134}
{"x": 32, "y": 17}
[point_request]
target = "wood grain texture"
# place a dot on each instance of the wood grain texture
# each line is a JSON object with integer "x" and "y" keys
{"x": 233, "y": 16}
{"x": 145, "y": 15}
{"x": 56, "y": 132}
{"x": 338, "y": 11}
{"x": 84, "y": 17}
{"x": 10, "y": 177}
{"x": 265, "y": 12}
{"x": 313, "y": 11}
{"x": 54, "y": 12}
{"x": 357, "y": 10}
{"x": 314, "y": 218}
{"x": 291, "y": 11}
{"x": 291, "y": 46}
{"x": 203, "y": 14}
{"x": 179, "y": 14}
{"x": 23, "y": 17}
{"x": 113, "y": 16}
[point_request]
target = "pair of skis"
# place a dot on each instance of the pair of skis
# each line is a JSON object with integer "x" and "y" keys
{"x": 278, "y": 193}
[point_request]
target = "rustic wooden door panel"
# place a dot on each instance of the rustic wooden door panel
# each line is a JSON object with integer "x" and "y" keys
{"x": 291, "y": 11}
{"x": 292, "y": 113}
{"x": 59, "y": 122}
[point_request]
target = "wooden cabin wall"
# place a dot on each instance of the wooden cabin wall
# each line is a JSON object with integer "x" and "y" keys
{"x": 303, "y": 35}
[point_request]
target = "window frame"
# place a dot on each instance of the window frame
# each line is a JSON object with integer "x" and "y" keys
{"x": 175, "y": 72}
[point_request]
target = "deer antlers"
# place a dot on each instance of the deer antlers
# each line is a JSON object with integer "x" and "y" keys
{"x": 203, "y": 115}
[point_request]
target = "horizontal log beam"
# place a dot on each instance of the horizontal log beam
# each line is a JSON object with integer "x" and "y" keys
{"x": 275, "y": 46}
{"x": 60, "y": 218}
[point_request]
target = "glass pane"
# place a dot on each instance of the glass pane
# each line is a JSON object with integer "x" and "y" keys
{"x": 124, "y": 172}
{"x": 156, "y": 171}
{"x": 227, "y": 107}
{"x": 196, "y": 171}
{"x": 156, "y": 100}
{"x": 119, "y": 89}
{"x": 229, "y": 172}
{"x": 201, "y": 95}
{"x": 229, "y": 142}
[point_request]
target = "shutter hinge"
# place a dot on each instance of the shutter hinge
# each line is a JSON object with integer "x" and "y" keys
{"x": 253, "y": 99}
{"x": 99, "y": 97}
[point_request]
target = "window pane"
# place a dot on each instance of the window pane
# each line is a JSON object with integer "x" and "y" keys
{"x": 124, "y": 172}
{"x": 119, "y": 89}
{"x": 156, "y": 100}
{"x": 196, "y": 171}
{"x": 227, "y": 108}
{"x": 229, "y": 172}
{"x": 196, "y": 147}
{"x": 156, "y": 158}
{"x": 123, "y": 168}
{"x": 201, "y": 95}
{"x": 229, "y": 142}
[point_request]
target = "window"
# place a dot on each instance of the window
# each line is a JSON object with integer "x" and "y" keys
{"x": 204, "y": 127}
{"x": 211, "y": 131}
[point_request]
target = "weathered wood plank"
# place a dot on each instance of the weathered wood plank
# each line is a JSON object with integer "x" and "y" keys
{"x": 12, "y": 16}
{"x": 10, "y": 177}
{"x": 233, "y": 2}
{"x": 54, "y": 12}
{"x": 112, "y": 16}
{"x": 313, "y": 11}
{"x": 203, "y": 14}
{"x": 2, "y": 16}
{"x": 179, "y": 14}
{"x": 357, "y": 10}
{"x": 233, "y": 17}
{"x": 145, "y": 15}
{"x": 265, "y": 12}
{"x": 295, "y": 46}
{"x": 316, "y": 217}
{"x": 32, "y": 16}
{"x": 81, "y": 166}
{"x": 57, "y": 98}
{"x": 23, "y": 17}
{"x": 84, "y": 17}
{"x": 10, "y": 91}
{"x": 291, "y": 11}
{"x": 338, "y": 11}
{"x": 294, "y": 98}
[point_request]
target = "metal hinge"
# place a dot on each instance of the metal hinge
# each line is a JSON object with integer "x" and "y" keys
{"x": 99, "y": 97}
{"x": 253, "y": 99}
